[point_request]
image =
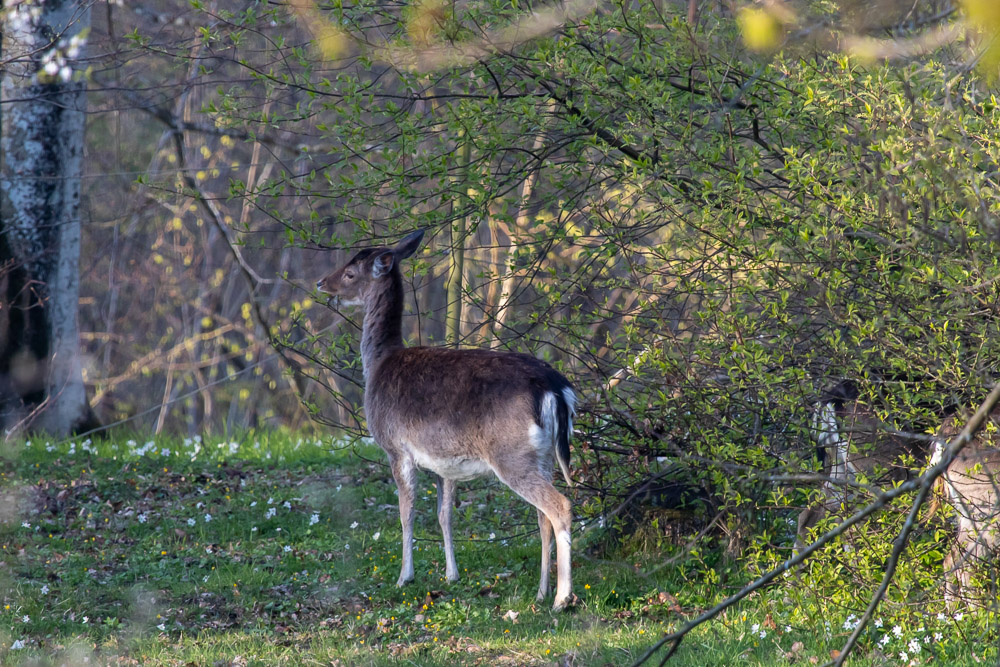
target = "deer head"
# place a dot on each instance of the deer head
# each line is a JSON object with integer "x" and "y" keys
{"x": 351, "y": 284}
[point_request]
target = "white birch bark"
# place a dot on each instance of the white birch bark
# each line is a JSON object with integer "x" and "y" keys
{"x": 42, "y": 145}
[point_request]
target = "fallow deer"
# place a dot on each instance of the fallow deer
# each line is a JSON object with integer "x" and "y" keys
{"x": 459, "y": 413}
{"x": 970, "y": 485}
{"x": 853, "y": 443}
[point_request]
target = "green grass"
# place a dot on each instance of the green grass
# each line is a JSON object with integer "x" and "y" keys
{"x": 273, "y": 549}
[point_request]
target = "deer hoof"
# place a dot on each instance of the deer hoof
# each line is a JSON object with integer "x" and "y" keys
{"x": 567, "y": 602}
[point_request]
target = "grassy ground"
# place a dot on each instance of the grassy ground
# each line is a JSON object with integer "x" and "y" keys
{"x": 269, "y": 549}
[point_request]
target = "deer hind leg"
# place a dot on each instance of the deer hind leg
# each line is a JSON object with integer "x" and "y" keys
{"x": 808, "y": 518}
{"x": 954, "y": 565}
{"x": 445, "y": 499}
{"x": 405, "y": 475}
{"x": 545, "y": 528}
{"x": 528, "y": 483}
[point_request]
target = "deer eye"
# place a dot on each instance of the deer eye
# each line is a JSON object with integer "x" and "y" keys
{"x": 349, "y": 275}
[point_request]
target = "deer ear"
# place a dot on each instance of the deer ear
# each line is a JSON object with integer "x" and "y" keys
{"x": 382, "y": 263}
{"x": 409, "y": 245}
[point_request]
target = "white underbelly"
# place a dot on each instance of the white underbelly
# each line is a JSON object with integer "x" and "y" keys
{"x": 457, "y": 468}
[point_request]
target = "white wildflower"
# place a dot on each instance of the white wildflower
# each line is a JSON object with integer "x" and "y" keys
{"x": 898, "y": 631}
{"x": 314, "y": 519}
{"x": 287, "y": 548}
{"x": 208, "y": 517}
{"x": 17, "y": 645}
{"x": 354, "y": 525}
{"x": 45, "y": 589}
{"x": 143, "y": 518}
{"x": 377, "y": 535}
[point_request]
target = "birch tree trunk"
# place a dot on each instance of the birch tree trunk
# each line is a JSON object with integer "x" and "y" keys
{"x": 42, "y": 146}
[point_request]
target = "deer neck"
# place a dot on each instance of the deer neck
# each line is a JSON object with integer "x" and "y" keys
{"x": 382, "y": 329}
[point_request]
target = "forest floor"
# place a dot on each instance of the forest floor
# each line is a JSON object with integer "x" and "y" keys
{"x": 270, "y": 549}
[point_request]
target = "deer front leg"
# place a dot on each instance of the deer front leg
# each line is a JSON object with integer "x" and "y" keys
{"x": 405, "y": 475}
{"x": 446, "y": 496}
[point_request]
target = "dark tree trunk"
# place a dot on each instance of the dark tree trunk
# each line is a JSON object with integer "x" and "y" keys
{"x": 41, "y": 378}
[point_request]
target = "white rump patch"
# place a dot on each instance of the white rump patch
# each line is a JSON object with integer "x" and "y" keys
{"x": 544, "y": 439}
{"x": 937, "y": 454}
{"x": 828, "y": 436}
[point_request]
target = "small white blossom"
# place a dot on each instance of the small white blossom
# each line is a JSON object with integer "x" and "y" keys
{"x": 191, "y": 522}
{"x": 914, "y": 646}
{"x": 253, "y": 504}
{"x": 208, "y": 517}
{"x": 938, "y": 636}
{"x": 17, "y": 645}
{"x": 898, "y": 631}
{"x": 493, "y": 536}
{"x": 878, "y": 622}
{"x": 377, "y": 535}
{"x": 25, "y": 524}
{"x": 45, "y": 589}
{"x": 26, "y": 619}
{"x": 162, "y": 627}
{"x": 314, "y": 519}
{"x": 885, "y": 640}
{"x": 86, "y": 619}
{"x": 763, "y": 634}
{"x": 287, "y": 548}
{"x": 143, "y": 518}
{"x": 903, "y": 656}
{"x": 287, "y": 505}
{"x": 959, "y": 616}
{"x": 941, "y": 616}
{"x": 354, "y": 525}
{"x": 754, "y": 628}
